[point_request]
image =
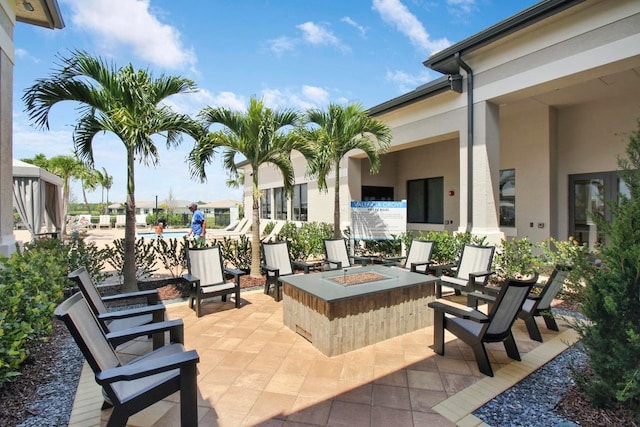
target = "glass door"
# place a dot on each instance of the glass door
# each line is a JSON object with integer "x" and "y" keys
{"x": 588, "y": 194}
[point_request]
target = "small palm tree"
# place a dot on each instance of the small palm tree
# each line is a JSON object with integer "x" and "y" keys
{"x": 339, "y": 130}
{"x": 106, "y": 181}
{"x": 262, "y": 136}
{"x": 124, "y": 101}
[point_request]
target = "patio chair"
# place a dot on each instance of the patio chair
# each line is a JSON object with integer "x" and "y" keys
{"x": 133, "y": 386}
{"x": 337, "y": 256}
{"x": 418, "y": 258}
{"x": 121, "y": 221}
{"x": 207, "y": 277}
{"x": 141, "y": 221}
{"x": 472, "y": 272}
{"x": 278, "y": 263}
{"x": 105, "y": 221}
{"x": 536, "y": 304}
{"x": 113, "y": 321}
{"x": 476, "y": 328}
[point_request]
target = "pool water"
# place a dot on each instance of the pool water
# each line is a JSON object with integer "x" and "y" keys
{"x": 165, "y": 235}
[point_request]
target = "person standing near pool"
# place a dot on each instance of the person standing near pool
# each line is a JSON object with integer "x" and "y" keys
{"x": 198, "y": 224}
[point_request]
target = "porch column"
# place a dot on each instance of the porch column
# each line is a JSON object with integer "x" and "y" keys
{"x": 486, "y": 172}
{"x": 7, "y": 241}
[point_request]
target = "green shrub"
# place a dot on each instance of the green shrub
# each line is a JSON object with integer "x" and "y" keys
{"x": 612, "y": 298}
{"x": 568, "y": 253}
{"x": 31, "y": 285}
{"x": 306, "y": 241}
{"x": 236, "y": 253}
{"x": 172, "y": 254}
{"x": 145, "y": 257}
{"x": 87, "y": 255}
{"x": 514, "y": 258}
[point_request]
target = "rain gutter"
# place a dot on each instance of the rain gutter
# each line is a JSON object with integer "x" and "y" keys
{"x": 470, "y": 117}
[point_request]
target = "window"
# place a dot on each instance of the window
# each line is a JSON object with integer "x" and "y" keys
{"x": 300, "y": 202}
{"x": 265, "y": 204}
{"x": 508, "y": 198}
{"x": 378, "y": 194}
{"x": 425, "y": 200}
{"x": 280, "y": 202}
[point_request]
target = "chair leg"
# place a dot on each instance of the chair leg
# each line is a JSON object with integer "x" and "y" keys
{"x": 550, "y": 322}
{"x": 117, "y": 419}
{"x": 532, "y": 328}
{"x": 188, "y": 396}
{"x": 198, "y": 308}
{"x": 238, "y": 298}
{"x": 438, "y": 332}
{"x": 482, "y": 358}
{"x": 277, "y": 291}
{"x": 511, "y": 347}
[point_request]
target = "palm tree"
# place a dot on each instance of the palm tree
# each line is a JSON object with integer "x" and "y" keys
{"x": 67, "y": 168}
{"x": 124, "y": 101}
{"x": 89, "y": 182}
{"x": 339, "y": 130}
{"x": 106, "y": 181}
{"x": 262, "y": 136}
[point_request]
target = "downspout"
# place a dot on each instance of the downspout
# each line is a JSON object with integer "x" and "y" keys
{"x": 469, "y": 72}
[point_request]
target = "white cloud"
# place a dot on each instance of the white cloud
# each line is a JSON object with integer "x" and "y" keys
{"x": 461, "y": 8}
{"x": 130, "y": 24}
{"x": 397, "y": 14}
{"x": 318, "y": 35}
{"x": 360, "y": 28}
{"x": 407, "y": 82}
{"x": 281, "y": 45}
{"x": 315, "y": 94}
{"x": 307, "y": 97}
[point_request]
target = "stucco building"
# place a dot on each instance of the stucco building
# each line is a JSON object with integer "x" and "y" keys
{"x": 518, "y": 138}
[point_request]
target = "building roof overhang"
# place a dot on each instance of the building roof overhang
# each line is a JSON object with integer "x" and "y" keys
{"x": 43, "y": 13}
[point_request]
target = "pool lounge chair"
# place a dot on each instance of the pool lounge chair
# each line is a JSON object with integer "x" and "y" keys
{"x": 133, "y": 386}
{"x": 105, "y": 221}
{"x": 121, "y": 221}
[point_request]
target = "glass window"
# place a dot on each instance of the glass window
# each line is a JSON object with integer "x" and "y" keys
{"x": 280, "y": 202}
{"x": 300, "y": 202}
{"x": 425, "y": 200}
{"x": 508, "y": 198}
{"x": 265, "y": 204}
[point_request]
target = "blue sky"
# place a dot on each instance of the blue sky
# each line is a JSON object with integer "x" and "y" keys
{"x": 292, "y": 53}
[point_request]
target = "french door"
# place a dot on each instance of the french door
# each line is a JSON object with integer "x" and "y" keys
{"x": 588, "y": 195}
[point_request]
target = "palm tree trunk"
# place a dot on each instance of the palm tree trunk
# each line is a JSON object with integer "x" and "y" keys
{"x": 84, "y": 196}
{"x": 337, "y": 233}
{"x": 130, "y": 283}
{"x": 255, "y": 228}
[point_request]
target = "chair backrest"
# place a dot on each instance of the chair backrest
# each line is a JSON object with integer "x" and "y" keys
{"x": 420, "y": 251}
{"x": 336, "y": 250}
{"x": 277, "y": 228}
{"x": 206, "y": 264}
{"x": 141, "y": 219}
{"x": 86, "y": 332}
{"x": 232, "y": 225}
{"x": 105, "y": 220}
{"x": 277, "y": 255}
{"x": 121, "y": 219}
{"x": 508, "y": 303}
{"x": 551, "y": 289}
{"x": 89, "y": 291}
{"x": 475, "y": 259}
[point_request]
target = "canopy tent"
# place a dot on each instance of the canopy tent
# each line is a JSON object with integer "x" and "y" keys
{"x": 36, "y": 197}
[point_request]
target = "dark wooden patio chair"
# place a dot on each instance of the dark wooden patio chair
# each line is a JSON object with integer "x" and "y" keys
{"x": 133, "y": 386}
{"x": 117, "y": 320}
{"x": 278, "y": 263}
{"x": 337, "y": 256}
{"x": 476, "y": 328}
{"x": 208, "y": 277}
{"x": 418, "y": 259}
{"x": 472, "y": 272}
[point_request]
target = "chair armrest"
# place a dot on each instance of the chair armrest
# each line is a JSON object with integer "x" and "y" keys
{"x": 337, "y": 263}
{"x": 235, "y": 272}
{"x": 175, "y": 328}
{"x": 131, "y": 312}
{"x": 486, "y": 273}
{"x": 458, "y": 310}
{"x": 151, "y": 295}
{"x": 190, "y": 279}
{"x": 146, "y": 368}
{"x": 414, "y": 266}
{"x": 364, "y": 260}
{"x": 438, "y": 269}
{"x": 473, "y": 297}
{"x": 302, "y": 266}
{"x": 270, "y": 270}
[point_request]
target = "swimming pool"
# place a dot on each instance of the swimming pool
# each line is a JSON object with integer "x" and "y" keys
{"x": 165, "y": 235}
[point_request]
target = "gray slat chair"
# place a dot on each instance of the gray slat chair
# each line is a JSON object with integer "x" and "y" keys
{"x": 117, "y": 320}
{"x": 536, "y": 304}
{"x": 418, "y": 257}
{"x": 133, "y": 386}
{"x": 208, "y": 277}
{"x": 472, "y": 272}
{"x": 475, "y": 328}
{"x": 278, "y": 263}
{"x": 337, "y": 256}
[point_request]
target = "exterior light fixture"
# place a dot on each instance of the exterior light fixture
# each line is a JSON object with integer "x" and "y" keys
{"x": 28, "y": 6}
